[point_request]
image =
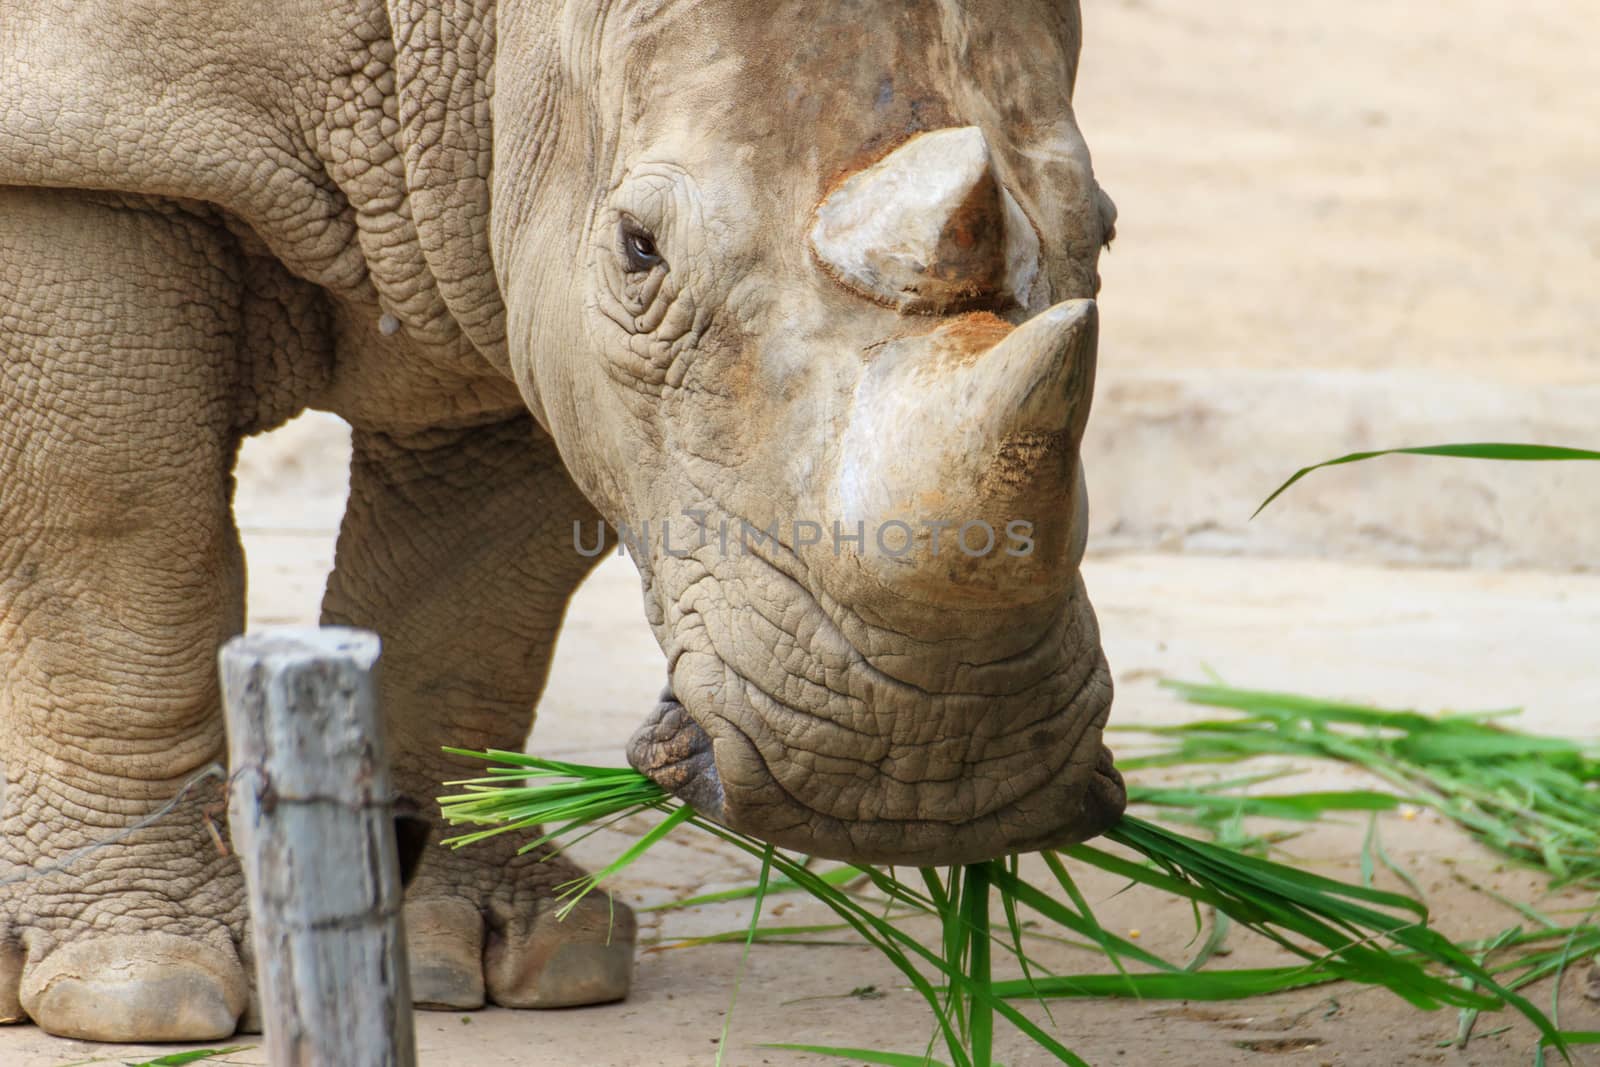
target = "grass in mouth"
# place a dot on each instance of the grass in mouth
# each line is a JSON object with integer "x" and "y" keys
{"x": 1341, "y": 931}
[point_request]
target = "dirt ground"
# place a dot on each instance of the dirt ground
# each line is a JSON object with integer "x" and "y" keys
{"x": 1430, "y": 637}
{"x": 1341, "y": 226}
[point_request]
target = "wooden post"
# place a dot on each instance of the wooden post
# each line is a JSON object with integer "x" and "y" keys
{"x": 312, "y": 820}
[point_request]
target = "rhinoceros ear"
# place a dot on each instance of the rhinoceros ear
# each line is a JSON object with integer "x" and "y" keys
{"x": 444, "y": 68}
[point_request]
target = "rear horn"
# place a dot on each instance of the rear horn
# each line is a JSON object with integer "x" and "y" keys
{"x": 930, "y": 228}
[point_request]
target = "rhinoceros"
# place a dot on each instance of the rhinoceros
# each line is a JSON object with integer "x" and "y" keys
{"x": 797, "y": 298}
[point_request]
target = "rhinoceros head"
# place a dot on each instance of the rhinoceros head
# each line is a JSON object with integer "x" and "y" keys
{"x": 804, "y": 293}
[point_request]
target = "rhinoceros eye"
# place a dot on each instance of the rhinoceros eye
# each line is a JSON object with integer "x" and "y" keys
{"x": 639, "y": 252}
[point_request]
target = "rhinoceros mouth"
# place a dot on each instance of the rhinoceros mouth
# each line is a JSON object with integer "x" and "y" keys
{"x": 1082, "y": 799}
{"x": 981, "y": 760}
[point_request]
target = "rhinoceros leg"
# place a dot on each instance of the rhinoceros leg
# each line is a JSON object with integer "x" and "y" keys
{"x": 457, "y": 549}
{"x": 120, "y": 573}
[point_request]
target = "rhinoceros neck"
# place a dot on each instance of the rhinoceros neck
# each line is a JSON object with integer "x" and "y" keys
{"x": 287, "y": 121}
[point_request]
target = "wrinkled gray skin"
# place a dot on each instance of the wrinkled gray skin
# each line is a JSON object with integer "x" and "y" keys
{"x": 722, "y": 273}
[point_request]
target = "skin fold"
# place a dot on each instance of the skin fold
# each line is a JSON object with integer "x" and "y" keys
{"x": 723, "y": 265}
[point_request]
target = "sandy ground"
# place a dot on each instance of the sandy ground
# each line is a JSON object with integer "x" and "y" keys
{"x": 1437, "y": 638}
{"x": 1375, "y": 224}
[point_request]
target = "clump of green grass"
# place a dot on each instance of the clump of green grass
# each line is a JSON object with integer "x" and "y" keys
{"x": 1341, "y": 931}
{"x": 1531, "y": 798}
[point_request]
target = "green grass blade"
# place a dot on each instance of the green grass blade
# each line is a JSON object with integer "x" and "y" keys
{"x": 637, "y": 849}
{"x": 1054, "y": 910}
{"x": 840, "y": 876}
{"x": 1079, "y": 901}
{"x": 178, "y": 1059}
{"x": 1489, "y": 450}
{"x": 895, "y": 945}
{"x": 1030, "y": 1029}
{"x": 1374, "y": 839}
{"x": 1213, "y": 944}
{"x": 1232, "y": 984}
{"x": 1304, "y": 807}
{"x": 864, "y": 1055}
{"x": 784, "y": 935}
{"x": 1568, "y": 1038}
{"x": 1469, "y": 1016}
{"x": 1008, "y": 903}
{"x": 947, "y": 905}
{"x": 744, "y": 957}
{"x": 975, "y": 907}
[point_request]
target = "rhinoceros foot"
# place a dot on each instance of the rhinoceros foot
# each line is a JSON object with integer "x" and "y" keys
{"x": 484, "y": 928}
{"x": 135, "y": 987}
{"x": 135, "y": 944}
